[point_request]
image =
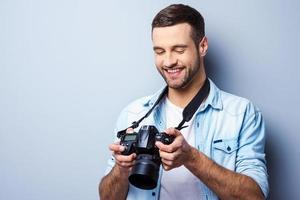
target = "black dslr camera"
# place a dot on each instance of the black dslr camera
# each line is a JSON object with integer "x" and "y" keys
{"x": 145, "y": 172}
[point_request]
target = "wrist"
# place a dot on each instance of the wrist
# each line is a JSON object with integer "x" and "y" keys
{"x": 191, "y": 158}
{"x": 121, "y": 172}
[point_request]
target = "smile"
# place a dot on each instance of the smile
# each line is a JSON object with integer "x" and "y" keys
{"x": 173, "y": 73}
{"x": 173, "y": 70}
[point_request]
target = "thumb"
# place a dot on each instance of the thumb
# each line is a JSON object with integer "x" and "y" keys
{"x": 173, "y": 131}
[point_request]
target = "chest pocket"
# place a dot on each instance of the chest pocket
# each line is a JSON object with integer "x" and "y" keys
{"x": 224, "y": 152}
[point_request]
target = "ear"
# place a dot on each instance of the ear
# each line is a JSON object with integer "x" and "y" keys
{"x": 203, "y": 46}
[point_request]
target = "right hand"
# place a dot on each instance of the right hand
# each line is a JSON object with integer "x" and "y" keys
{"x": 124, "y": 162}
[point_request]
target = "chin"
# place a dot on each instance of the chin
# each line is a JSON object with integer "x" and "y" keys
{"x": 176, "y": 86}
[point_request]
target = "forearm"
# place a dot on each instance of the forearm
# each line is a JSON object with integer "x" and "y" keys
{"x": 225, "y": 183}
{"x": 114, "y": 185}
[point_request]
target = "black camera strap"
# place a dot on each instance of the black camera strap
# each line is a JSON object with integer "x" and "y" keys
{"x": 191, "y": 108}
{"x": 136, "y": 124}
{"x": 187, "y": 113}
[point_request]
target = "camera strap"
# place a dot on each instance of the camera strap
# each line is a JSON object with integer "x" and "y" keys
{"x": 191, "y": 108}
{"x": 135, "y": 124}
{"x": 187, "y": 113}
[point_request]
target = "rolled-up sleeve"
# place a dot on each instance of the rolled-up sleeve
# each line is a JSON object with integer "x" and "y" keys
{"x": 251, "y": 152}
{"x": 120, "y": 124}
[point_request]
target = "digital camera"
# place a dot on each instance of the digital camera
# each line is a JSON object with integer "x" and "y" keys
{"x": 145, "y": 172}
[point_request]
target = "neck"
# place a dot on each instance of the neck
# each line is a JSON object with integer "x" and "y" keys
{"x": 182, "y": 96}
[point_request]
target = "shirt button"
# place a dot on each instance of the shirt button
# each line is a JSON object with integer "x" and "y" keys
{"x": 153, "y": 193}
{"x": 228, "y": 148}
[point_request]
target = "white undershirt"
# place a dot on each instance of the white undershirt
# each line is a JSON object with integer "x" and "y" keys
{"x": 179, "y": 183}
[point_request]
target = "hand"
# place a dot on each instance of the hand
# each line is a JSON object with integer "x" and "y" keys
{"x": 175, "y": 154}
{"x": 124, "y": 162}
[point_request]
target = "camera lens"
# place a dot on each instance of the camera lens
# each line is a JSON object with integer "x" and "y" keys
{"x": 145, "y": 172}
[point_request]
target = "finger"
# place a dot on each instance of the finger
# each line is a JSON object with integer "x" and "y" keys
{"x": 166, "y": 167}
{"x": 116, "y": 147}
{"x": 167, "y": 162}
{"x": 168, "y": 156}
{"x": 124, "y": 158}
{"x": 173, "y": 131}
{"x": 125, "y": 161}
{"x": 125, "y": 164}
{"x": 163, "y": 147}
{"x": 130, "y": 130}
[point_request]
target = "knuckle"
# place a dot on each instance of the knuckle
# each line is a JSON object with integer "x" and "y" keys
{"x": 167, "y": 162}
{"x": 123, "y": 164}
{"x": 118, "y": 162}
{"x": 170, "y": 149}
{"x": 167, "y": 168}
{"x": 161, "y": 153}
{"x": 121, "y": 158}
{"x": 132, "y": 157}
{"x": 172, "y": 157}
{"x": 126, "y": 158}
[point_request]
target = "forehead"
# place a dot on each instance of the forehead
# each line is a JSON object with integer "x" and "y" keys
{"x": 170, "y": 35}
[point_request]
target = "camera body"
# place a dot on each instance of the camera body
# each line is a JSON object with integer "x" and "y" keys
{"x": 144, "y": 140}
{"x": 145, "y": 172}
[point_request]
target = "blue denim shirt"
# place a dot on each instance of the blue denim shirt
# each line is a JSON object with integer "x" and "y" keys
{"x": 228, "y": 129}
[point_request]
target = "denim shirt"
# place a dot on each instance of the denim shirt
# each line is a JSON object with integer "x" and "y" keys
{"x": 228, "y": 129}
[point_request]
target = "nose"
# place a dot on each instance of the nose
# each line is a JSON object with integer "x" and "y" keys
{"x": 169, "y": 60}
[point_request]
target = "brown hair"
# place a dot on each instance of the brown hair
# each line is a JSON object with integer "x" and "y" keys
{"x": 179, "y": 13}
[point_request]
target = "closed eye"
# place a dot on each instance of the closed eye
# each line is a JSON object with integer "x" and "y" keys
{"x": 180, "y": 49}
{"x": 158, "y": 51}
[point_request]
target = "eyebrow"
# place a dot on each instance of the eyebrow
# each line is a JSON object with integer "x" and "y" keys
{"x": 179, "y": 46}
{"x": 156, "y": 47}
{"x": 173, "y": 47}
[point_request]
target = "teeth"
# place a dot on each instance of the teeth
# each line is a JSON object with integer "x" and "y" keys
{"x": 173, "y": 70}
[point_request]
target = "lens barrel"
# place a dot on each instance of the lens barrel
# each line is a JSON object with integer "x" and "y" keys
{"x": 145, "y": 172}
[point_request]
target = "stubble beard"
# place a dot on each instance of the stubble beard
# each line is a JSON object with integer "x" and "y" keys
{"x": 190, "y": 74}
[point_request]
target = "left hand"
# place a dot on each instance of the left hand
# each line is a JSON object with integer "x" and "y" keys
{"x": 175, "y": 154}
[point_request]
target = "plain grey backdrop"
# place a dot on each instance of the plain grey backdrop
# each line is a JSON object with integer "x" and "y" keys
{"x": 67, "y": 68}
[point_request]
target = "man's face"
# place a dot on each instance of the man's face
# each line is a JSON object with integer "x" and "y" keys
{"x": 176, "y": 56}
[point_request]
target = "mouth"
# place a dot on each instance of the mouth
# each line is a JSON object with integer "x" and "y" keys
{"x": 173, "y": 73}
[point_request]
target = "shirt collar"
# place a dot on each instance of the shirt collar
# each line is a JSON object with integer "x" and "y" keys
{"x": 214, "y": 97}
{"x": 153, "y": 98}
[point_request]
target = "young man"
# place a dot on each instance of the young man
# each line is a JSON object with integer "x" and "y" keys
{"x": 220, "y": 155}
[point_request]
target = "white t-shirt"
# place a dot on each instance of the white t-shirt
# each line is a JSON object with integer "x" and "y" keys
{"x": 179, "y": 183}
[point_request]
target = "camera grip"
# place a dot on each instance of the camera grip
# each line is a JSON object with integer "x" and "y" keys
{"x": 165, "y": 138}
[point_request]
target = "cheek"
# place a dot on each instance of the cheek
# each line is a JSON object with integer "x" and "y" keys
{"x": 158, "y": 62}
{"x": 189, "y": 60}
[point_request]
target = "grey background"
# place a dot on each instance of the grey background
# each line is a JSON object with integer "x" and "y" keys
{"x": 67, "y": 68}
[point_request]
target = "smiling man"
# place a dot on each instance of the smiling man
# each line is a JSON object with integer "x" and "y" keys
{"x": 220, "y": 152}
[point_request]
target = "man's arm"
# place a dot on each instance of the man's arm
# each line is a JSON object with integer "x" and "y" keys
{"x": 115, "y": 184}
{"x": 225, "y": 183}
